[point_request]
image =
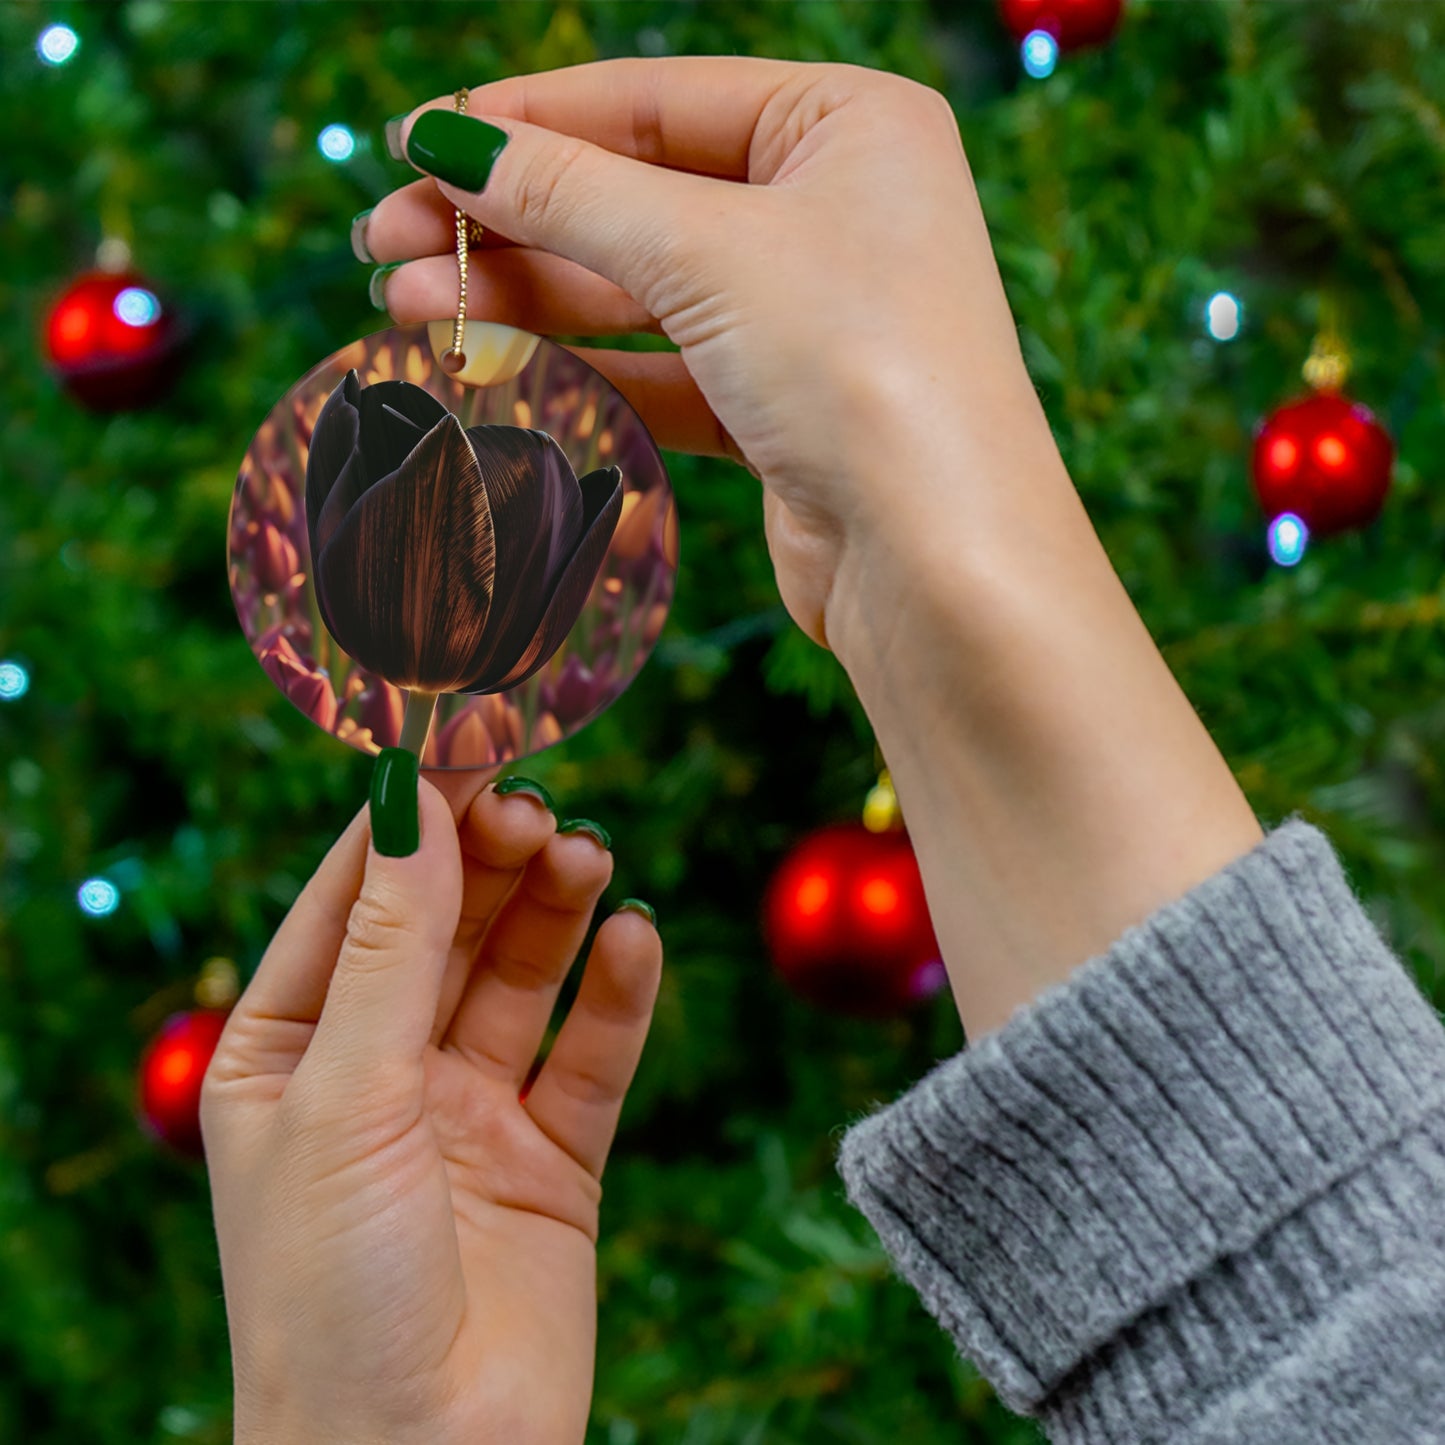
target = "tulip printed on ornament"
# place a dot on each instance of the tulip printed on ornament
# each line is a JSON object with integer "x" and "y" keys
{"x": 448, "y": 559}
{"x": 422, "y": 544}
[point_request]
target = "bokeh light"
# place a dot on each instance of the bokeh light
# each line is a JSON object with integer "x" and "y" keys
{"x": 57, "y": 44}
{"x": 1223, "y": 316}
{"x": 137, "y": 307}
{"x": 14, "y": 681}
{"x": 98, "y": 897}
{"x": 336, "y": 143}
{"x": 1040, "y": 52}
{"x": 1288, "y": 537}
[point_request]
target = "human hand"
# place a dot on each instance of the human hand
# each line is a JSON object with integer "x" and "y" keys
{"x": 407, "y": 1246}
{"x": 842, "y": 325}
{"x": 843, "y": 330}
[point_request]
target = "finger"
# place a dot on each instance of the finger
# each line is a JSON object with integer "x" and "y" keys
{"x": 416, "y": 220}
{"x": 577, "y": 1098}
{"x": 690, "y": 113}
{"x": 382, "y": 997}
{"x": 502, "y": 1015}
{"x": 660, "y": 389}
{"x": 532, "y": 290}
{"x": 271, "y": 1023}
{"x": 460, "y": 787}
{"x": 623, "y": 219}
{"x": 499, "y": 837}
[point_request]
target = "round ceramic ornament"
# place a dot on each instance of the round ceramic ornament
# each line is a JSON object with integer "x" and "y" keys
{"x": 464, "y": 550}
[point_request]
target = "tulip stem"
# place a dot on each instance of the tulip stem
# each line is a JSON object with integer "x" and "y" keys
{"x": 420, "y": 709}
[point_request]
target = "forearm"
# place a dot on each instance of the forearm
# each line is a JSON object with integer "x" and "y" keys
{"x": 1056, "y": 782}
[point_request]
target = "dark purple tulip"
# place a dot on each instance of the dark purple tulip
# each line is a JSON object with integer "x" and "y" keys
{"x": 448, "y": 560}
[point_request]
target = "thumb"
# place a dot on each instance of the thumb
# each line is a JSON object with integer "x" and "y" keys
{"x": 382, "y": 1000}
{"x": 633, "y": 223}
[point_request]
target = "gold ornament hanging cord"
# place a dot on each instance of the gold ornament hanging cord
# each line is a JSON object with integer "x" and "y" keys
{"x": 454, "y": 359}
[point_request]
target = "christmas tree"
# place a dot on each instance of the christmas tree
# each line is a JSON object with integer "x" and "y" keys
{"x": 1211, "y": 162}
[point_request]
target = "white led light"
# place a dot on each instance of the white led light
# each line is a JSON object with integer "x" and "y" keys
{"x": 57, "y": 44}
{"x": 98, "y": 897}
{"x": 14, "y": 681}
{"x": 1040, "y": 53}
{"x": 136, "y": 306}
{"x": 1288, "y": 537}
{"x": 336, "y": 143}
{"x": 1223, "y": 316}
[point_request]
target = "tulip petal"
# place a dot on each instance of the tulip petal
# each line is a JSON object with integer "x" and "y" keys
{"x": 395, "y": 415}
{"x": 407, "y": 577}
{"x": 334, "y": 439}
{"x": 345, "y": 492}
{"x": 601, "y": 507}
{"x": 537, "y": 518}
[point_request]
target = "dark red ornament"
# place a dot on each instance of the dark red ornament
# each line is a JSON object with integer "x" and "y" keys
{"x": 112, "y": 341}
{"x": 847, "y": 924}
{"x": 1073, "y": 23}
{"x": 1324, "y": 458}
{"x": 171, "y": 1071}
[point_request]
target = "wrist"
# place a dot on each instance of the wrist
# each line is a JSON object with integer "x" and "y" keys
{"x": 1056, "y": 782}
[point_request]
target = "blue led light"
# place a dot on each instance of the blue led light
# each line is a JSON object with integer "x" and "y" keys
{"x": 98, "y": 897}
{"x": 1223, "y": 316}
{"x": 1288, "y": 537}
{"x": 1040, "y": 52}
{"x": 136, "y": 306}
{"x": 57, "y": 44}
{"x": 14, "y": 681}
{"x": 336, "y": 143}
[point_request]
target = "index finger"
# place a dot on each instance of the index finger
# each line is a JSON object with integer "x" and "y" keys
{"x": 687, "y": 112}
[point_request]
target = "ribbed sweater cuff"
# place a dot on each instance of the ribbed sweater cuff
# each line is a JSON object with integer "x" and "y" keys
{"x": 1174, "y": 1150}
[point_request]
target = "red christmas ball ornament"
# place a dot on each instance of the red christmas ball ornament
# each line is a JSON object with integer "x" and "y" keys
{"x": 847, "y": 924}
{"x": 112, "y": 342}
{"x": 1324, "y": 458}
{"x": 1073, "y": 23}
{"x": 171, "y": 1071}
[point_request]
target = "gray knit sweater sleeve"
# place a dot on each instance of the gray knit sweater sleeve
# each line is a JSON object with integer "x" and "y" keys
{"x": 1195, "y": 1193}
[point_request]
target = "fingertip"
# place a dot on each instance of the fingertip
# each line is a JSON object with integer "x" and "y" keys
{"x": 394, "y": 131}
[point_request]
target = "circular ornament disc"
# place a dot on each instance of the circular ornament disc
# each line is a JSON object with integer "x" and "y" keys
{"x": 514, "y": 379}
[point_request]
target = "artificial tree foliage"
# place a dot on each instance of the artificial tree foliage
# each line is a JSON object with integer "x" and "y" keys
{"x": 1290, "y": 154}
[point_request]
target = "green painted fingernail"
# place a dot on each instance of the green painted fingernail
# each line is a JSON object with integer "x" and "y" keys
{"x": 392, "y": 132}
{"x": 586, "y": 825}
{"x": 358, "y": 237}
{"x": 377, "y": 289}
{"x": 525, "y": 785}
{"x": 458, "y": 149}
{"x": 636, "y": 905}
{"x": 395, "y": 825}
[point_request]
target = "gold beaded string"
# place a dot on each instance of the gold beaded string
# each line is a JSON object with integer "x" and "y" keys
{"x": 454, "y": 359}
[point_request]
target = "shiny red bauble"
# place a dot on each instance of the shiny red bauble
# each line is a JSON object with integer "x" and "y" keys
{"x": 112, "y": 341}
{"x": 171, "y": 1071}
{"x": 847, "y": 924}
{"x": 1324, "y": 458}
{"x": 1073, "y": 23}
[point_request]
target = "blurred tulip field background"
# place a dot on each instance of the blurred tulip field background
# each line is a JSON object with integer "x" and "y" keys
{"x": 1288, "y": 156}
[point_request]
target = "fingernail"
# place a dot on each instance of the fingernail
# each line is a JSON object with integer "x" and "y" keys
{"x": 377, "y": 287}
{"x": 455, "y": 148}
{"x": 393, "y": 136}
{"x": 358, "y": 236}
{"x": 636, "y": 905}
{"x": 525, "y": 785}
{"x": 395, "y": 826}
{"x": 586, "y": 825}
